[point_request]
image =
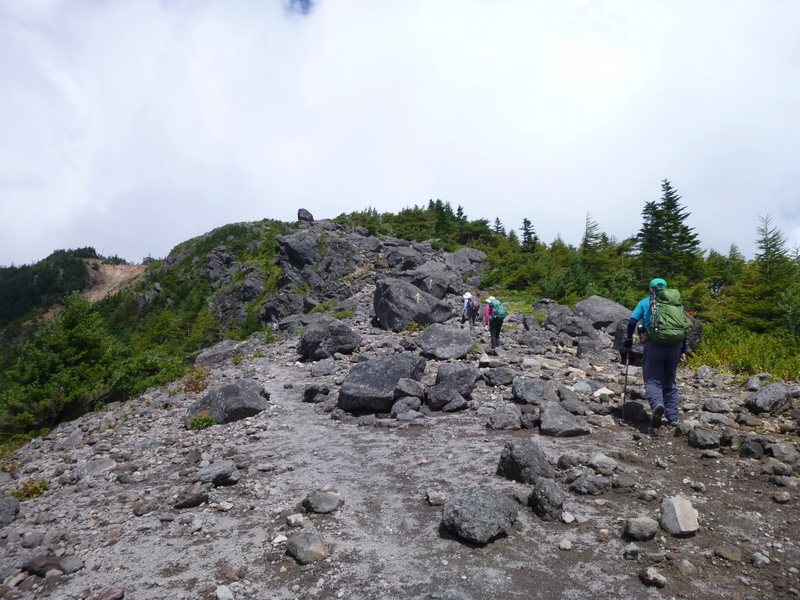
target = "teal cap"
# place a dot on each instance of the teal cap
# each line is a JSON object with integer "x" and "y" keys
{"x": 658, "y": 283}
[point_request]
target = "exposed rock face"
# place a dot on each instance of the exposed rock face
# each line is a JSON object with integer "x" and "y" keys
{"x": 370, "y": 386}
{"x": 326, "y": 337}
{"x": 478, "y": 515}
{"x": 399, "y": 303}
{"x": 230, "y": 403}
{"x": 304, "y": 215}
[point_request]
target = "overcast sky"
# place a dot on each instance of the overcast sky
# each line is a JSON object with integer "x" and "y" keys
{"x": 132, "y": 126}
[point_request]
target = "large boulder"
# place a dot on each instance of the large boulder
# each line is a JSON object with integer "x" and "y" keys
{"x": 773, "y": 399}
{"x": 570, "y": 324}
{"x": 326, "y": 337}
{"x": 546, "y": 499}
{"x": 466, "y": 261}
{"x": 557, "y": 422}
{"x": 9, "y": 507}
{"x": 444, "y": 342}
{"x": 370, "y": 386}
{"x": 398, "y": 303}
{"x": 302, "y": 248}
{"x": 229, "y": 403}
{"x": 404, "y": 258}
{"x": 601, "y": 312}
{"x": 522, "y": 460}
{"x": 223, "y": 351}
{"x": 436, "y": 279}
{"x": 477, "y": 514}
{"x": 534, "y": 391}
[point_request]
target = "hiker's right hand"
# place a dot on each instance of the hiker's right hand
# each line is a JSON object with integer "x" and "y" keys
{"x": 628, "y": 343}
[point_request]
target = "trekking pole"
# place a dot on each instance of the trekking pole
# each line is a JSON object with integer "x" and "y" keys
{"x": 625, "y": 387}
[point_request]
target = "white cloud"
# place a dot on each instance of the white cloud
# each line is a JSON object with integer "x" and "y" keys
{"x": 134, "y": 126}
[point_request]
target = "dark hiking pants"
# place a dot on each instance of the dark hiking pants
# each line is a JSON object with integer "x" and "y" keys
{"x": 659, "y": 368}
{"x": 494, "y": 331}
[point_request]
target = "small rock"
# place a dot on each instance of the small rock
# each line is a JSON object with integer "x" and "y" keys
{"x": 650, "y": 576}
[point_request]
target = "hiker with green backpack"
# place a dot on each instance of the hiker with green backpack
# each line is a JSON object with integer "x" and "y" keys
{"x": 493, "y": 318}
{"x": 666, "y": 329}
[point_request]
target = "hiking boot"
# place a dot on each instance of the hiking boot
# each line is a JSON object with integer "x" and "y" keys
{"x": 655, "y": 420}
{"x": 673, "y": 423}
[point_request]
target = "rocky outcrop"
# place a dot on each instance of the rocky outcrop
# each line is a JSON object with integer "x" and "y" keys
{"x": 399, "y": 303}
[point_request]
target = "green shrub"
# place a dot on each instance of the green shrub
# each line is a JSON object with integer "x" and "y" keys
{"x": 237, "y": 360}
{"x": 30, "y": 488}
{"x": 196, "y": 380}
{"x": 322, "y": 307}
{"x": 745, "y": 352}
{"x": 342, "y": 314}
{"x": 202, "y": 421}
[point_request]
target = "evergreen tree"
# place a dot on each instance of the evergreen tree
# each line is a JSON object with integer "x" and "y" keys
{"x": 498, "y": 228}
{"x": 667, "y": 246}
{"x": 764, "y": 298}
{"x": 529, "y": 238}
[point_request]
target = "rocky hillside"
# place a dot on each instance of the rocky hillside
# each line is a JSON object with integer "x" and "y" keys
{"x": 360, "y": 458}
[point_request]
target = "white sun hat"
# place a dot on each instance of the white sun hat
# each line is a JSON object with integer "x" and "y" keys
{"x": 491, "y": 299}
{"x": 467, "y": 295}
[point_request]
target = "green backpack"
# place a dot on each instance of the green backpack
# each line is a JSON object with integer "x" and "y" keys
{"x": 668, "y": 322}
{"x": 498, "y": 310}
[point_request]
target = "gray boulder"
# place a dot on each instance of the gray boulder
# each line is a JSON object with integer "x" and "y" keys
{"x": 398, "y": 303}
{"x": 549, "y": 306}
{"x": 370, "y": 386}
{"x": 404, "y": 258}
{"x": 326, "y": 337}
{"x": 522, "y": 460}
{"x": 9, "y": 507}
{"x": 570, "y": 324}
{"x": 640, "y": 529}
{"x": 322, "y": 502}
{"x": 507, "y": 416}
{"x": 307, "y": 546}
{"x": 437, "y": 283}
{"x": 547, "y": 499}
{"x": 601, "y": 312}
{"x": 302, "y": 248}
{"x": 556, "y": 421}
{"x": 444, "y": 342}
{"x": 221, "y": 472}
{"x": 703, "y": 438}
{"x": 588, "y": 484}
{"x": 240, "y": 400}
{"x": 499, "y": 376}
{"x": 220, "y": 352}
{"x": 533, "y": 391}
{"x": 304, "y": 215}
{"x": 773, "y": 399}
{"x": 460, "y": 374}
{"x": 477, "y": 514}
{"x": 466, "y": 261}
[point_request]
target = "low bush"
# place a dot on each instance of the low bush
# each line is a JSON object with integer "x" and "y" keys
{"x": 30, "y": 488}
{"x": 202, "y": 421}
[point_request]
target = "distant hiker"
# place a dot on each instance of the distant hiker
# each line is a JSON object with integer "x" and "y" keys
{"x": 664, "y": 339}
{"x": 495, "y": 313}
{"x": 471, "y": 310}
